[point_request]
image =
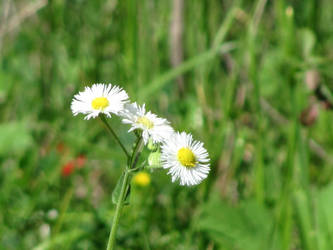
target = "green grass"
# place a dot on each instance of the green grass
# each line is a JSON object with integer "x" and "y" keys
{"x": 245, "y": 69}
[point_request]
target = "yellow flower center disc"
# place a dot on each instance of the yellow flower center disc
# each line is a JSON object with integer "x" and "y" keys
{"x": 186, "y": 157}
{"x": 146, "y": 122}
{"x": 142, "y": 179}
{"x": 100, "y": 103}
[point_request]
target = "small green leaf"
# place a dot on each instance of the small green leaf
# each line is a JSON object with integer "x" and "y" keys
{"x": 117, "y": 190}
{"x": 128, "y": 192}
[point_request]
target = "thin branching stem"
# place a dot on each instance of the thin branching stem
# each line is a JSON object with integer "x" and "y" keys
{"x": 132, "y": 161}
{"x": 136, "y": 152}
{"x": 109, "y": 128}
{"x": 116, "y": 217}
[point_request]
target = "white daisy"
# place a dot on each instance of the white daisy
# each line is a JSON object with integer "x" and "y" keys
{"x": 99, "y": 98}
{"x": 185, "y": 158}
{"x": 151, "y": 125}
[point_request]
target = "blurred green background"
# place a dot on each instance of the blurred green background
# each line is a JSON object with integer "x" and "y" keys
{"x": 251, "y": 79}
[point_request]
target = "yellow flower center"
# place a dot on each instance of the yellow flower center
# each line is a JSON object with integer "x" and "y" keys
{"x": 145, "y": 122}
{"x": 100, "y": 103}
{"x": 186, "y": 157}
{"x": 142, "y": 179}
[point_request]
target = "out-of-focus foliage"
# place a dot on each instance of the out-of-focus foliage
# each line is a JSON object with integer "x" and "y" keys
{"x": 253, "y": 82}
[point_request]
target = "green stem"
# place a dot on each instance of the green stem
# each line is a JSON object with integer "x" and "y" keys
{"x": 136, "y": 152}
{"x": 124, "y": 187}
{"x": 108, "y": 127}
{"x": 63, "y": 209}
{"x": 120, "y": 203}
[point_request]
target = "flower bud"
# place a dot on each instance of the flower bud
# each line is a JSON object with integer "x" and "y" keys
{"x": 154, "y": 160}
{"x": 151, "y": 145}
{"x": 142, "y": 179}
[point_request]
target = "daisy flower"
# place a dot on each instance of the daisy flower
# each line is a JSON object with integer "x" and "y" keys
{"x": 185, "y": 158}
{"x": 99, "y": 98}
{"x": 151, "y": 125}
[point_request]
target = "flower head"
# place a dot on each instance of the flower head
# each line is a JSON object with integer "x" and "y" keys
{"x": 142, "y": 179}
{"x": 99, "y": 98}
{"x": 185, "y": 158}
{"x": 68, "y": 169}
{"x": 152, "y": 126}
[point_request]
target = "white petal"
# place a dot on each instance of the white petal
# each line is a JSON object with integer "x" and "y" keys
{"x": 187, "y": 175}
{"x": 116, "y": 96}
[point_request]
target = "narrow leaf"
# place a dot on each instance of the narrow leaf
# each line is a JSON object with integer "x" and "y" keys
{"x": 117, "y": 190}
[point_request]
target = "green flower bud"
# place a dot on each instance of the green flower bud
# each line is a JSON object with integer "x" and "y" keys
{"x": 154, "y": 160}
{"x": 151, "y": 145}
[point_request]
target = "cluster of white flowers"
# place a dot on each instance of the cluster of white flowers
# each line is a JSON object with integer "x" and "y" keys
{"x": 185, "y": 158}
